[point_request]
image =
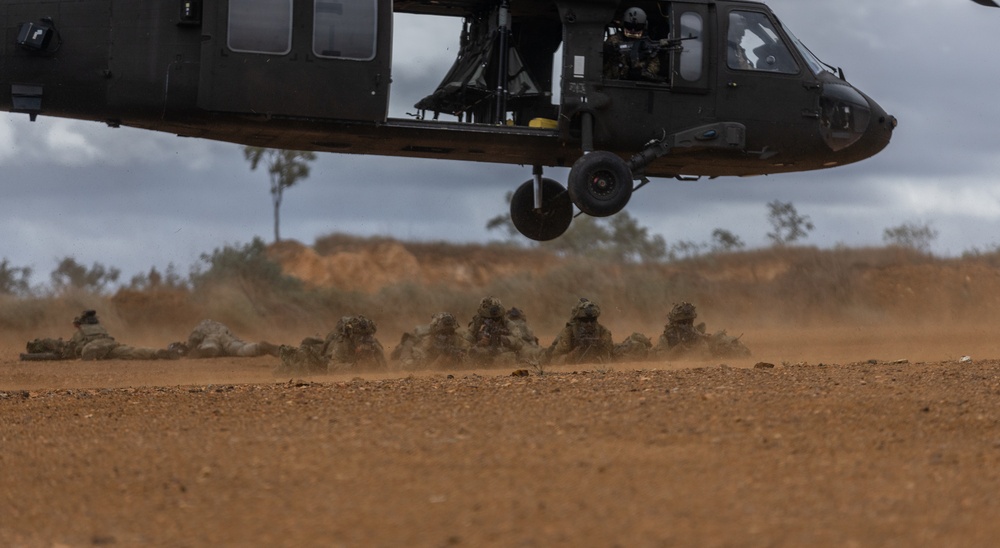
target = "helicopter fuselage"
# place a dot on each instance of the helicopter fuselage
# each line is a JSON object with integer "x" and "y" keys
{"x": 316, "y": 76}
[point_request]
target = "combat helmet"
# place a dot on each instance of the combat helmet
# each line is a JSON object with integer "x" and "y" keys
{"x": 87, "y": 317}
{"x": 443, "y": 322}
{"x": 359, "y": 325}
{"x": 634, "y": 22}
{"x": 515, "y": 314}
{"x": 491, "y": 307}
{"x": 681, "y": 312}
{"x": 639, "y": 338}
{"x": 586, "y": 310}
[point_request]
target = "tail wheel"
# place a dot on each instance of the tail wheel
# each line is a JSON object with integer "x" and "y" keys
{"x": 600, "y": 183}
{"x": 551, "y": 220}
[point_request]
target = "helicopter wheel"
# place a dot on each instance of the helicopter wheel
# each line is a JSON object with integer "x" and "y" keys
{"x": 547, "y": 223}
{"x": 600, "y": 183}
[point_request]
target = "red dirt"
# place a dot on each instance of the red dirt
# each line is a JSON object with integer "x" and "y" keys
{"x": 824, "y": 449}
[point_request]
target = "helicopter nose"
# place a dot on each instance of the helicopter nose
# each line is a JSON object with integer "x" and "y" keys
{"x": 852, "y": 123}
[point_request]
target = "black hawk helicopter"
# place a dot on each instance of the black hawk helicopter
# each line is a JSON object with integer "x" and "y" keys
{"x": 648, "y": 88}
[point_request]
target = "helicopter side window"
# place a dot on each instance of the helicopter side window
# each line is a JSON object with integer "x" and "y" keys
{"x": 345, "y": 29}
{"x": 754, "y": 44}
{"x": 260, "y": 26}
{"x": 692, "y": 27}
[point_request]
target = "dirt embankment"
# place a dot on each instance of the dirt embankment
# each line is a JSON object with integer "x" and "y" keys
{"x": 372, "y": 267}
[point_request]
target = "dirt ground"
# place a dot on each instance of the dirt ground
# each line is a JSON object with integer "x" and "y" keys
{"x": 869, "y": 436}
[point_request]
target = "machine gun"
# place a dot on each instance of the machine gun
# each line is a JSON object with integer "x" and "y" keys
{"x": 640, "y": 51}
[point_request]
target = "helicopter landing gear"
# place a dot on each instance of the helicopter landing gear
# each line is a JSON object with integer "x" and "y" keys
{"x": 600, "y": 183}
{"x": 544, "y": 223}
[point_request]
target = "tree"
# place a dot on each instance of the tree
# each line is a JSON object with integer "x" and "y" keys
{"x": 155, "y": 280}
{"x": 285, "y": 168}
{"x": 788, "y": 225}
{"x": 503, "y": 221}
{"x": 725, "y": 241}
{"x": 14, "y": 279}
{"x": 71, "y": 274}
{"x": 632, "y": 243}
{"x": 247, "y": 264}
{"x": 619, "y": 238}
{"x": 911, "y": 235}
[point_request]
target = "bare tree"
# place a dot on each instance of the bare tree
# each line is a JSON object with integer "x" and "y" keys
{"x": 285, "y": 168}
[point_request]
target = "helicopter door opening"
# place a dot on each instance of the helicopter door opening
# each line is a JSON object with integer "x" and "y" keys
{"x": 503, "y": 72}
{"x": 320, "y": 59}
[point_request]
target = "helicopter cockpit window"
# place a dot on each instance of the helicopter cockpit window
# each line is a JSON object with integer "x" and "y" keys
{"x": 345, "y": 30}
{"x": 754, "y": 44}
{"x": 260, "y": 26}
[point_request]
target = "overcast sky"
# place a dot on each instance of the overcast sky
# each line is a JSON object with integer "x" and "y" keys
{"x": 134, "y": 199}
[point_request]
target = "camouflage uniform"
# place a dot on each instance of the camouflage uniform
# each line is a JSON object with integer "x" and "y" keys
{"x": 530, "y": 348}
{"x": 354, "y": 345}
{"x": 307, "y": 359}
{"x": 211, "y": 339}
{"x": 92, "y": 342}
{"x": 351, "y": 345}
{"x": 492, "y": 337}
{"x": 405, "y": 351}
{"x": 47, "y": 349}
{"x": 443, "y": 346}
{"x": 584, "y": 339}
{"x": 682, "y": 338}
{"x": 626, "y": 59}
{"x": 636, "y": 348}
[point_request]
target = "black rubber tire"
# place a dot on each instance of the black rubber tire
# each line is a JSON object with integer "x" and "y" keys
{"x": 600, "y": 183}
{"x": 547, "y": 223}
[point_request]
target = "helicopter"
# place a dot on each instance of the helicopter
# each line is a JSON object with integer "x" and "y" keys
{"x": 734, "y": 93}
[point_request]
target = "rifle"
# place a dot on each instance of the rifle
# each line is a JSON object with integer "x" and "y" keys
{"x": 492, "y": 332}
{"x": 42, "y": 357}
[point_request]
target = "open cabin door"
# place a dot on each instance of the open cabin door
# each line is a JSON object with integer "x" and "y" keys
{"x": 302, "y": 59}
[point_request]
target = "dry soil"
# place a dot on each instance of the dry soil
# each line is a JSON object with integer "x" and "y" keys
{"x": 875, "y": 437}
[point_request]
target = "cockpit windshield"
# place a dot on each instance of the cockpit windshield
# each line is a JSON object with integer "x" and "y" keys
{"x": 815, "y": 65}
{"x": 754, "y": 44}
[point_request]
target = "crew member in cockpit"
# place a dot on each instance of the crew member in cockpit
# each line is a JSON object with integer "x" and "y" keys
{"x": 628, "y": 53}
{"x": 737, "y": 58}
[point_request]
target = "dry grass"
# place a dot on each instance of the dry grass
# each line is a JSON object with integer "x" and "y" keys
{"x": 779, "y": 287}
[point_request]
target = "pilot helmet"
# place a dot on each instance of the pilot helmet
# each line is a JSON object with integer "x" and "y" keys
{"x": 634, "y": 22}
